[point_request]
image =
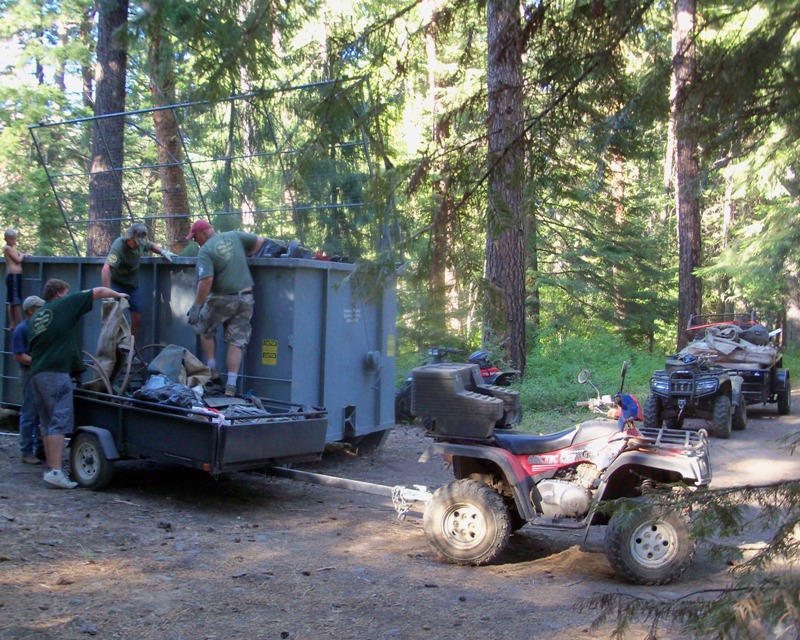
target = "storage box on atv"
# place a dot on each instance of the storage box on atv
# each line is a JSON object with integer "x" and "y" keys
{"x": 460, "y": 402}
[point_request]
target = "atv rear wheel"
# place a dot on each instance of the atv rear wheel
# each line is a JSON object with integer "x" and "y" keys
{"x": 739, "y": 419}
{"x": 652, "y": 412}
{"x": 785, "y": 399}
{"x": 721, "y": 420}
{"x": 649, "y": 544}
{"x": 466, "y": 522}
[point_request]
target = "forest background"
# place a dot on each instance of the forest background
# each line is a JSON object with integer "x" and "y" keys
{"x": 547, "y": 173}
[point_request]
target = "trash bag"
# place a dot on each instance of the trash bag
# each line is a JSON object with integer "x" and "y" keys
{"x": 162, "y": 390}
{"x": 757, "y": 335}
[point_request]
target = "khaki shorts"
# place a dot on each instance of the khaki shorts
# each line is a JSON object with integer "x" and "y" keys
{"x": 233, "y": 311}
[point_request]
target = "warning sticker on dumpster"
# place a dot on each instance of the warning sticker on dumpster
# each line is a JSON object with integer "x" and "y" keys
{"x": 269, "y": 352}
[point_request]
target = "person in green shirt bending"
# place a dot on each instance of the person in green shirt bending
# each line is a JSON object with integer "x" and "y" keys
{"x": 224, "y": 294}
{"x": 121, "y": 269}
{"x": 55, "y": 357}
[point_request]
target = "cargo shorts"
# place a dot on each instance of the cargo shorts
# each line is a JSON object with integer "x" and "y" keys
{"x": 233, "y": 311}
{"x": 52, "y": 392}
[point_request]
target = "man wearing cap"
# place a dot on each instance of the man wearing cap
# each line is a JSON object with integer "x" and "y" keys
{"x": 30, "y": 442}
{"x": 224, "y": 294}
{"x": 121, "y": 269}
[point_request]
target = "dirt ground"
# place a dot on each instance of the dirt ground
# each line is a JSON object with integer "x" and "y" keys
{"x": 168, "y": 553}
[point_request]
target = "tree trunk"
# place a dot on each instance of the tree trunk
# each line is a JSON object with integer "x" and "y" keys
{"x": 504, "y": 313}
{"x": 169, "y": 141}
{"x": 687, "y": 204}
{"x": 105, "y": 180}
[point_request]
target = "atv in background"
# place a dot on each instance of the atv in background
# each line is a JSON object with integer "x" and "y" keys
{"x": 695, "y": 387}
{"x": 748, "y": 349}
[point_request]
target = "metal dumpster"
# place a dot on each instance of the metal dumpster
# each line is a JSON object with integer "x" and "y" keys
{"x": 314, "y": 342}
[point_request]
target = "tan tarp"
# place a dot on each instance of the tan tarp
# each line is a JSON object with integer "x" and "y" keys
{"x": 726, "y": 344}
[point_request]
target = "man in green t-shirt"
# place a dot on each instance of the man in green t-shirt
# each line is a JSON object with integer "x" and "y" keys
{"x": 224, "y": 294}
{"x": 55, "y": 356}
{"x": 121, "y": 269}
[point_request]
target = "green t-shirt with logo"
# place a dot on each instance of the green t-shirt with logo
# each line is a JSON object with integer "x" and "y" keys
{"x": 124, "y": 261}
{"x": 55, "y": 333}
{"x": 224, "y": 256}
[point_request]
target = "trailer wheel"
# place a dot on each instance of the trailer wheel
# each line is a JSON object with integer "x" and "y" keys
{"x": 649, "y": 545}
{"x": 721, "y": 420}
{"x": 739, "y": 419}
{"x": 785, "y": 399}
{"x": 466, "y": 522}
{"x": 88, "y": 464}
{"x": 652, "y": 412}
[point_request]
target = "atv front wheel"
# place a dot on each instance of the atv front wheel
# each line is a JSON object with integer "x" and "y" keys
{"x": 739, "y": 419}
{"x": 721, "y": 420}
{"x": 649, "y": 544}
{"x": 652, "y": 412}
{"x": 466, "y": 522}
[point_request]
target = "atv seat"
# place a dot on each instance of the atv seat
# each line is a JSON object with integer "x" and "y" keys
{"x": 522, "y": 444}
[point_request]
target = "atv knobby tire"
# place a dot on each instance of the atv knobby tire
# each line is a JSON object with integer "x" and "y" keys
{"x": 652, "y": 412}
{"x": 721, "y": 418}
{"x": 739, "y": 418}
{"x": 467, "y": 523}
{"x": 649, "y": 544}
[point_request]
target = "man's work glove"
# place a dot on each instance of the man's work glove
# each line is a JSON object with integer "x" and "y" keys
{"x": 194, "y": 314}
{"x": 168, "y": 255}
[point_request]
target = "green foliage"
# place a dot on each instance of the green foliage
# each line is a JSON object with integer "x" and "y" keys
{"x": 550, "y": 389}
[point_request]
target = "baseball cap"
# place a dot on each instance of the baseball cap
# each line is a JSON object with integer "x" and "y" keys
{"x": 30, "y": 302}
{"x": 199, "y": 225}
{"x": 138, "y": 231}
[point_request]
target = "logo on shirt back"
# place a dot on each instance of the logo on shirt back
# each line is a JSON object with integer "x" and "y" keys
{"x": 224, "y": 249}
{"x": 41, "y": 321}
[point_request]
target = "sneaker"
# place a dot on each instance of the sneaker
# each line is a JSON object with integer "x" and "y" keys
{"x": 30, "y": 459}
{"x": 230, "y": 390}
{"x": 57, "y": 478}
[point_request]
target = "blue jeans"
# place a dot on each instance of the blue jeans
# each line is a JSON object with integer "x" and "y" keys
{"x": 30, "y": 440}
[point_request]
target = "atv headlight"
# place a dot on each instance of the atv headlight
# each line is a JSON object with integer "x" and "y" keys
{"x": 706, "y": 386}
{"x": 660, "y": 385}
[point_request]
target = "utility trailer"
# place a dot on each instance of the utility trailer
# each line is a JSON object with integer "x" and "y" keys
{"x": 110, "y": 428}
{"x": 744, "y": 348}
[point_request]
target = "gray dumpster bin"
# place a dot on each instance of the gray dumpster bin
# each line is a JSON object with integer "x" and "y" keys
{"x": 314, "y": 341}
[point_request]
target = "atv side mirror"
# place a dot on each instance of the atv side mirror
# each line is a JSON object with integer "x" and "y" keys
{"x": 583, "y": 376}
{"x": 624, "y": 369}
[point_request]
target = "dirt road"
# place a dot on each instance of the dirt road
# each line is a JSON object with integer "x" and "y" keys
{"x": 166, "y": 553}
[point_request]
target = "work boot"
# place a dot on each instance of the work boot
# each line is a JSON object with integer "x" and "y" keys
{"x": 57, "y": 478}
{"x": 230, "y": 390}
{"x": 30, "y": 459}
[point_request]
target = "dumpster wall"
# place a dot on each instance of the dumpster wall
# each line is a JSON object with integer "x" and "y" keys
{"x": 313, "y": 342}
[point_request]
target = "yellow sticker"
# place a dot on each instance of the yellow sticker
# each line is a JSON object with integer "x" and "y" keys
{"x": 269, "y": 352}
{"x": 390, "y": 346}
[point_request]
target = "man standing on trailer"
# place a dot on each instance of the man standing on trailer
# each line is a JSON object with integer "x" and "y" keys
{"x": 55, "y": 358}
{"x": 224, "y": 294}
{"x": 121, "y": 269}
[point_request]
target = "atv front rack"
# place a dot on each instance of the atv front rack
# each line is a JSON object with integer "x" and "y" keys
{"x": 675, "y": 439}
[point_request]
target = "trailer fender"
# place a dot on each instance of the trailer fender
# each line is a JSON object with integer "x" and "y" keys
{"x": 518, "y": 481}
{"x": 105, "y": 438}
{"x": 781, "y": 379}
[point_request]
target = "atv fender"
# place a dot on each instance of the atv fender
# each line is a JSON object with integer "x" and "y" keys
{"x": 693, "y": 469}
{"x": 105, "y": 438}
{"x": 515, "y": 476}
{"x": 736, "y": 390}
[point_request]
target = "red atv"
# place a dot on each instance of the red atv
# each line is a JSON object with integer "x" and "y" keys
{"x": 507, "y": 479}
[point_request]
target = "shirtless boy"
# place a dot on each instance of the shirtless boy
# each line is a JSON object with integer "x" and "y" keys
{"x": 13, "y": 278}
